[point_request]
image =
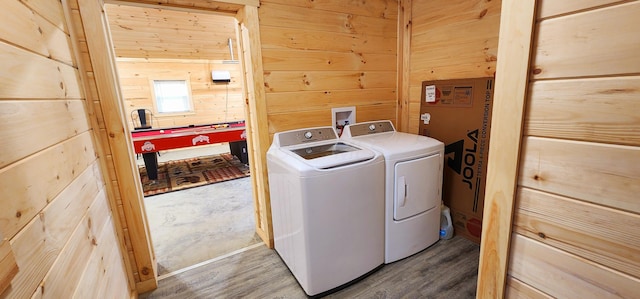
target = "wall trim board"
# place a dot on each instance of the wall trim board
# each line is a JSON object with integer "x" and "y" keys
{"x": 111, "y": 115}
{"x": 103, "y": 64}
{"x": 99, "y": 148}
{"x": 170, "y": 60}
{"x": 258, "y": 141}
{"x": 404, "y": 64}
{"x": 516, "y": 36}
{"x": 225, "y": 7}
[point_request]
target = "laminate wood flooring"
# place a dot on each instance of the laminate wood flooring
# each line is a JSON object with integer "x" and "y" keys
{"x": 447, "y": 269}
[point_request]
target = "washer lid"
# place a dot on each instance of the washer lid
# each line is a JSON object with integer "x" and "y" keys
{"x": 324, "y": 150}
{"x": 329, "y": 155}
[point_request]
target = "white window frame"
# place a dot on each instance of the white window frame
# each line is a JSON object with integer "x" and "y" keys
{"x": 187, "y": 104}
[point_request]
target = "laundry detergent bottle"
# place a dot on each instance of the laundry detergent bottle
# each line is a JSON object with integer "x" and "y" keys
{"x": 446, "y": 225}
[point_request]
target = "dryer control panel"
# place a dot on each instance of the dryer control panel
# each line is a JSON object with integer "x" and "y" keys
{"x": 369, "y": 128}
{"x": 306, "y": 135}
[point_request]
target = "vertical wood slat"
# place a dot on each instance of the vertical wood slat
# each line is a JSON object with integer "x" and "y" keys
{"x": 102, "y": 61}
{"x": 404, "y": 64}
{"x": 259, "y": 138}
{"x": 516, "y": 30}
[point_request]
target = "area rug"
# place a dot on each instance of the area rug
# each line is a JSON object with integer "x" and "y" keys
{"x": 188, "y": 173}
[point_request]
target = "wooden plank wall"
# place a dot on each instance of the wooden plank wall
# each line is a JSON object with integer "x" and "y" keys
{"x": 577, "y": 213}
{"x": 55, "y": 210}
{"x": 448, "y": 40}
{"x": 151, "y": 32}
{"x": 212, "y": 102}
{"x": 163, "y": 44}
{"x": 322, "y": 55}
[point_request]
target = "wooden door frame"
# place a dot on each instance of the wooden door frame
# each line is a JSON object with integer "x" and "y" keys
{"x": 103, "y": 65}
{"x": 511, "y": 84}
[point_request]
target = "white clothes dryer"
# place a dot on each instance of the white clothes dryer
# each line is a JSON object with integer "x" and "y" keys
{"x": 327, "y": 207}
{"x": 413, "y": 185}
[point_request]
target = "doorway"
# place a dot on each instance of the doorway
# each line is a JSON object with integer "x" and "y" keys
{"x": 94, "y": 47}
{"x": 152, "y": 46}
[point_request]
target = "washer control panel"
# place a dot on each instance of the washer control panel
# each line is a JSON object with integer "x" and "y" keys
{"x": 371, "y": 128}
{"x": 306, "y": 135}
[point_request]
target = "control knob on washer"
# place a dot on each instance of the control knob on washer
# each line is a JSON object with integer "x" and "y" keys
{"x": 308, "y": 135}
{"x": 372, "y": 127}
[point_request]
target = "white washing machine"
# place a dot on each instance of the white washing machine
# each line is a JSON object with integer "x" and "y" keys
{"x": 327, "y": 207}
{"x": 413, "y": 188}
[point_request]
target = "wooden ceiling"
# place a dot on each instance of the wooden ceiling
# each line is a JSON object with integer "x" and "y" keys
{"x": 144, "y": 32}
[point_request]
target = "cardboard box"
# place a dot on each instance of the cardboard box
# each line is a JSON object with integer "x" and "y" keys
{"x": 458, "y": 113}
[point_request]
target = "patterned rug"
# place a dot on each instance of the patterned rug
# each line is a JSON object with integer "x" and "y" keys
{"x": 182, "y": 174}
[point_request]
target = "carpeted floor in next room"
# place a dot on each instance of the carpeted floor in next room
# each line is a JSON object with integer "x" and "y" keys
{"x": 199, "y": 224}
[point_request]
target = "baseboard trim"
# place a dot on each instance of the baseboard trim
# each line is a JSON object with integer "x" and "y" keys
{"x": 170, "y": 274}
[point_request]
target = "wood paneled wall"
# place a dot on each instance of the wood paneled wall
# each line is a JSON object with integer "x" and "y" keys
{"x": 150, "y": 32}
{"x": 212, "y": 102}
{"x": 55, "y": 213}
{"x": 577, "y": 214}
{"x": 161, "y": 44}
{"x": 322, "y": 55}
{"x": 446, "y": 40}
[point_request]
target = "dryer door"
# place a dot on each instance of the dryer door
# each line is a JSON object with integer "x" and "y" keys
{"x": 417, "y": 186}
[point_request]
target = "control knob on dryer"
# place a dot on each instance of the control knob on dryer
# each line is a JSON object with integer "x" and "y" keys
{"x": 372, "y": 127}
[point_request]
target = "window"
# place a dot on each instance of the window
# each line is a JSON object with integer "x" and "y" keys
{"x": 172, "y": 96}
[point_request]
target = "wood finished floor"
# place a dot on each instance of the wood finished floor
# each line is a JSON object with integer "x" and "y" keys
{"x": 448, "y": 269}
